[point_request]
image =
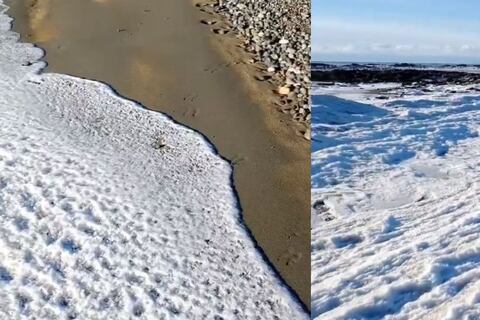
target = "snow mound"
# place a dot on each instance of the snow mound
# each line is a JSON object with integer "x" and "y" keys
{"x": 110, "y": 211}
{"x": 397, "y": 239}
{"x": 371, "y": 132}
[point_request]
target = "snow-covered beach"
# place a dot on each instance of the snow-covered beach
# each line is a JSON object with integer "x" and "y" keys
{"x": 111, "y": 211}
{"x": 395, "y": 207}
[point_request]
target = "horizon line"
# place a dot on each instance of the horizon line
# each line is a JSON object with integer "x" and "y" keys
{"x": 393, "y": 62}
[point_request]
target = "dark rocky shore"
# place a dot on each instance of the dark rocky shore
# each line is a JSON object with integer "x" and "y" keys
{"x": 405, "y": 74}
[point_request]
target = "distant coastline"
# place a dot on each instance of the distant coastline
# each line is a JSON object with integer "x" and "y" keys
{"x": 405, "y": 73}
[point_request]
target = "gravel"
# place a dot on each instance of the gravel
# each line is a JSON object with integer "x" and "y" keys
{"x": 278, "y": 33}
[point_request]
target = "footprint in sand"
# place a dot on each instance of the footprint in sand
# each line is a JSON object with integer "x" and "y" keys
{"x": 263, "y": 77}
{"x": 191, "y": 113}
{"x": 205, "y": 7}
{"x": 208, "y": 22}
{"x": 290, "y": 257}
{"x": 221, "y": 31}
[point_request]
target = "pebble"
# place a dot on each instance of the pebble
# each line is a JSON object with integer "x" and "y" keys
{"x": 284, "y": 91}
{"x": 220, "y": 31}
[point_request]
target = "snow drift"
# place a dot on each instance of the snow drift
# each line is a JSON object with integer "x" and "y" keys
{"x": 395, "y": 205}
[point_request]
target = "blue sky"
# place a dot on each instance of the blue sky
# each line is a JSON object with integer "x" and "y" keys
{"x": 445, "y": 31}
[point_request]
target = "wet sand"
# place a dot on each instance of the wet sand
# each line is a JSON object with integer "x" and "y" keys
{"x": 158, "y": 53}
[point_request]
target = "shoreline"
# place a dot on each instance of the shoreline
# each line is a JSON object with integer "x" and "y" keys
{"x": 256, "y": 140}
{"x": 108, "y": 226}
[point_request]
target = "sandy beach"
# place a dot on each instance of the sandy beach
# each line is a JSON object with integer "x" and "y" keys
{"x": 161, "y": 55}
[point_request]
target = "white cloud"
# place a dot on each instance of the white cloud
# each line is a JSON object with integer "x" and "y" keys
{"x": 390, "y": 39}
